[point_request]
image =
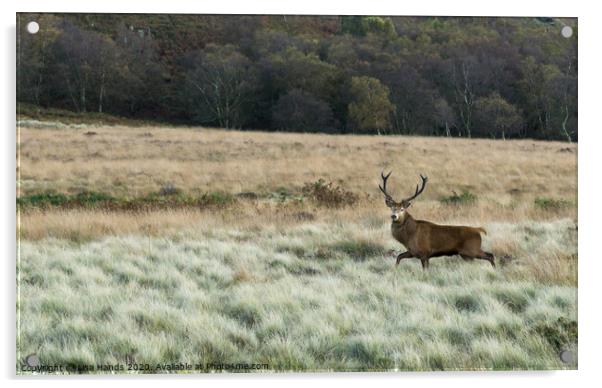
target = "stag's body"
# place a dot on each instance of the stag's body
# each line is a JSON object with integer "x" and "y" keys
{"x": 424, "y": 239}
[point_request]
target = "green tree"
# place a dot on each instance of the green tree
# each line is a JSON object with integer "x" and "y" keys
{"x": 292, "y": 69}
{"x": 254, "y": 71}
{"x": 496, "y": 117}
{"x": 371, "y": 108}
{"x": 87, "y": 63}
{"x": 143, "y": 86}
{"x": 550, "y": 96}
{"x": 218, "y": 83}
{"x": 301, "y": 111}
{"x": 363, "y": 25}
{"x": 34, "y": 53}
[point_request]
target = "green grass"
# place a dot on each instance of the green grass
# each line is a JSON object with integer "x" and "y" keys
{"x": 460, "y": 199}
{"x": 61, "y": 117}
{"x": 551, "y": 204}
{"x": 312, "y": 297}
{"x": 94, "y": 200}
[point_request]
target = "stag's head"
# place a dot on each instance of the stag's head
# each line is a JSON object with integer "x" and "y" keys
{"x": 398, "y": 208}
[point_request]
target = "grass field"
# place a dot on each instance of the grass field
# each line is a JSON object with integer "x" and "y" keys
{"x": 153, "y": 245}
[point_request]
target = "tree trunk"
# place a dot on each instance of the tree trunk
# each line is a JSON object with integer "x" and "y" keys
{"x": 564, "y": 120}
{"x": 102, "y": 92}
{"x": 82, "y": 98}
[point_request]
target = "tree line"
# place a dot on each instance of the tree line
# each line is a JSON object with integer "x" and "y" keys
{"x": 460, "y": 77}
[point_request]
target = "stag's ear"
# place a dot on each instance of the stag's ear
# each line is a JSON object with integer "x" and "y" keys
{"x": 389, "y": 202}
{"x": 406, "y": 204}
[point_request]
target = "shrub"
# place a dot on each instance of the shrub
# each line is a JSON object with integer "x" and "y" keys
{"x": 50, "y": 199}
{"x": 179, "y": 199}
{"x": 165, "y": 198}
{"x": 329, "y": 195}
{"x": 169, "y": 189}
{"x": 304, "y": 216}
{"x": 92, "y": 198}
{"x": 545, "y": 203}
{"x": 42, "y": 200}
{"x": 248, "y": 195}
{"x": 283, "y": 194}
{"x": 465, "y": 198}
{"x": 217, "y": 198}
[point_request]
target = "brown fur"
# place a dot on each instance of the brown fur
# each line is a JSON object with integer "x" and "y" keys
{"x": 424, "y": 239}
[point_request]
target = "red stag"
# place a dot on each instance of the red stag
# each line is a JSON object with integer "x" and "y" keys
{"x": 424, "y": 239}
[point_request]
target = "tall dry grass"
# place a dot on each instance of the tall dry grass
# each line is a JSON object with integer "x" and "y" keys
{"x": 506, "y": 176}
{"x": 86, "y": 224}
{"x": 133, "y": 161}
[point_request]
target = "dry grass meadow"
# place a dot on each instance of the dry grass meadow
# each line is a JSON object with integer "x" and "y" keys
{"x": 264, "y": 270}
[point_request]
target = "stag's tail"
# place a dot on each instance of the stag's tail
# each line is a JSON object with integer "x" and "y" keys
{"x": 481, "y": 230}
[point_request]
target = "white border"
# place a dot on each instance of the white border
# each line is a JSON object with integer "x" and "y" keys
{"x": 315, "y": 7}
{"x": 589, "y": 187}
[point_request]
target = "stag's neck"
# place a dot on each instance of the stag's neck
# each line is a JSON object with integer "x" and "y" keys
{"x": 406, "y": 220}
{"x": 404, "y": 228}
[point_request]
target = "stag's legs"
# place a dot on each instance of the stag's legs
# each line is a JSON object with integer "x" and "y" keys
{"x": 404, "y": 255}
{"x": 489, "y": 257}
{"x": 425, "y": 262}
{"x": 483, "y": 256}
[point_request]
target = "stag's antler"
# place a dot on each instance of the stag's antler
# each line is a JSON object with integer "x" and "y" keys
{"x": 383, "y": 188}
{"x": 418, "y": 190}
